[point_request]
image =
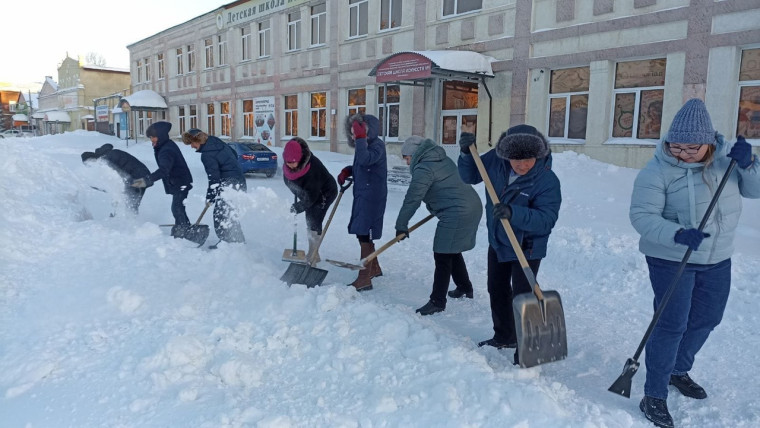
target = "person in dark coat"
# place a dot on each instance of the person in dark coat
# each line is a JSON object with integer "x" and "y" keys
{"x": 172, "y": 171}
{"x": 224, "y": 175}
{"x": 128, "y": 167}
{"x": 457, "y": 206}
{"x": 370, "y": 173}
{"x": 530, "y": 198}
{"x": 313, "y": 186}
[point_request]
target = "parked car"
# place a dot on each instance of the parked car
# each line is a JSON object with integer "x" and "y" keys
{"x": 9, "y": 133}
{"x": 256, "y": 157}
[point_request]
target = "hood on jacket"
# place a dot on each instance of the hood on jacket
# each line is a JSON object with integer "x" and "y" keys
{"x": 303, "y": 163}
{"x": 373, "y": 127}
{"x": 662, "y": 153}
{"x": 427, "y": 151}
{"x": 159, "y": 129}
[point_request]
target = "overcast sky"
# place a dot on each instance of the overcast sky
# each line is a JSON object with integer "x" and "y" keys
{"x": 39, "y": 33}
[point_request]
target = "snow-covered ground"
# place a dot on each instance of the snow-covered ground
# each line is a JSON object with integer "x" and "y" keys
{"x": 109, "y": 322}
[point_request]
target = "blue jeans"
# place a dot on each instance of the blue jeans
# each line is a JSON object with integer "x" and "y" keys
{"x": 695, "y": 308}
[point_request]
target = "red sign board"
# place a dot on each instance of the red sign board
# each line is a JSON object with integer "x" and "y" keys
{"x": 405, "y": 66}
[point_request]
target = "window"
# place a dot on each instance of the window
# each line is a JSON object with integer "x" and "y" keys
{"x": 221, "y": 44}
{"x": 357, "y": 18}
{"x": 568, "y": 103}
{"x": 249, "y": 128}
{"x": 180, "y": 64}
{"x": 193, "y": 116}
{"x": 390, "y": 14}
{"x": 210, "y": 119}
{"x": 291, "y": 115}
{"x": 146, "y": 66}
{"x": 455, "y": 7}
{"x": 182, "y": 119}
{"x": 190, "y": 58}
{"x": 209, "y": 44}
{"x": 389, "y": 122}
{"x": 225, "y": 118}
{"x": 144, "y": 119}
{"x": 264, "y": 39}
{"x": 748, "y": 123}
{"x": 245, "y": 43}
{"x": 139, "y": 71}
{"x": 318, "y": 114}
{"x": 160, "y": 62}
{"x": 639, "y": 89}
{"x": 294, "y": 31}
{"x": 357, "y": 101}
{"x": 318, "y": 24}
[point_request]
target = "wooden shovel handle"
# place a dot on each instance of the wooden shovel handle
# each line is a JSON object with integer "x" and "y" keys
{"x": 343, "y": 188}
{"x": 394, "y": 240}
{"x": 510, "y": 233}
{"x": 202, "y": 213}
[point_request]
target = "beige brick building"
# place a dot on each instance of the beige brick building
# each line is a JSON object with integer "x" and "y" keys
{"x": 600, "y": 77}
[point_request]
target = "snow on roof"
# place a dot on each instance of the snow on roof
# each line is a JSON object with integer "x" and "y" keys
{"x": 97, "y": 67}
{"x": 57, "y": 116}
{"x": 19, "y": 118}
{"x": 51, "y": 82}
{"x": 464, "y": 61}
{"x": 144, "y": 99}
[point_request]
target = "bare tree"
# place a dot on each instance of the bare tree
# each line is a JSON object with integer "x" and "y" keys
{"x": 94, "y": 58}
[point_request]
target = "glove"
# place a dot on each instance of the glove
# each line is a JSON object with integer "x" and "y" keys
{"x": 502, "y": 211}
{"x": 344, "y": 174}
{"x": 359, "y": 130}
{"x": 465, "y": 141}
{"x": 297, "y": 208}
{"x": 403, "y": 233}
{"x": 690, "y": 237}
{"x": 141, "y": 182}
{"x": 741, "y": 152}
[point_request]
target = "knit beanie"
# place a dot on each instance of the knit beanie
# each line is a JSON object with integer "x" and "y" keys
{"x": 88, "y": 155}
{"x": 411, "y": 145}
{"x": 292, "y": 152}
{"x": 692, "y": 125}
{"x": 522, "y": 142}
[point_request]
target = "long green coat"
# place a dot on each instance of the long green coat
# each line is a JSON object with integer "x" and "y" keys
{"x": 435, "y": 181}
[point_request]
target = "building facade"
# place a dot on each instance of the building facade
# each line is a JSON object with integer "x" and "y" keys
{"x": 68, "y": 104}
{"x": 599, "y": 77}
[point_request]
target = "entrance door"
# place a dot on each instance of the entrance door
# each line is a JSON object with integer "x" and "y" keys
{"x": 451, "y": 128}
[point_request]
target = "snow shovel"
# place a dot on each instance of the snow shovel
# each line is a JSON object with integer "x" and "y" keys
{"x": 622, "y": 385}
{"x": 308, "y": 274}
{"x": 363, "y": 263}
{"x": 294, "y": 254}
{"x": 539, "y": 317}
{"x": 197, "y": 232}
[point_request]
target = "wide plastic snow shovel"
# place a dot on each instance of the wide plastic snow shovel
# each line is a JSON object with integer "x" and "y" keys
{"x": 622, "y": 385}
{"x": 306, "y": 273}
{"x": 363, "y": 262}
{"x": 539, "y": 317}
{"x": 294, "y": 254}
{"x": 197, "y": 232}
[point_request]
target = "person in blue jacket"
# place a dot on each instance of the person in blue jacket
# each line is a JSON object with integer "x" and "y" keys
{"x": 127, "y": 166}
{"x": 436, "y": 182}
{"x": 670, "y": 197}
{"x": 370, "y": 173}
{"x": 530, "y": 197}
{"x": 173, "y": 172}
{"x": 224, "y": 175}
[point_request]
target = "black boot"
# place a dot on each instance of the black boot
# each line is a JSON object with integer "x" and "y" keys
{"x": 498, "y": 344}
{"x": 458, "y": 293}
{"x": 687, "y": 387}
{"x": 430, "y": 308}
{"x": 656, "y": 411}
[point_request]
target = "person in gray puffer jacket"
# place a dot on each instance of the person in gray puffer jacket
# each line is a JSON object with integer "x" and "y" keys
{"x": 670, "y": 196}
{"x": 224, "y": 175}
{"x": 435, "y": 181}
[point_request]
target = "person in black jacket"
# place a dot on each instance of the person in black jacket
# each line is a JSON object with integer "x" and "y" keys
{"x": 312, "y": 184}
{"x": 224, "y": 175}
{"x": 173, "y": 171}
{"x": 128, "y": 167}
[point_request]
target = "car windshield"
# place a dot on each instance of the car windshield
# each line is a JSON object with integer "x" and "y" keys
{"x": 256, "y": 147}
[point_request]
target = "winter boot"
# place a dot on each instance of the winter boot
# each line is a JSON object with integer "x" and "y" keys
{"x": 656, "y": 411}
{"x": 458, "y": 293}
{"x": 363, "y": 282}
{"x": 374, "y": 265}
{"x": 430, "y": 308}
{"x": 313, "y": 242}
{"x": 687, "y": 387}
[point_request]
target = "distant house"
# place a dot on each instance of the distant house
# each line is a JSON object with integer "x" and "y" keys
{"x": 67, "y": 105}
{"x": 10, "y": 100}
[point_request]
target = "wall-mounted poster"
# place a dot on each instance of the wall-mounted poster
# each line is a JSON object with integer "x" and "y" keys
{"x": 263, "y": 109}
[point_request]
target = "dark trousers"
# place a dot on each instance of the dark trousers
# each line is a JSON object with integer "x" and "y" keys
{"x": 226, "y": 224}
{"x": 448, "y": 266}
{"x": 316, "y": 213}
{"x": 133, "y": 197}
{"x": 506, "y": 280}
{"x": 178, "y": 206}
{"x": 695, "y": 308}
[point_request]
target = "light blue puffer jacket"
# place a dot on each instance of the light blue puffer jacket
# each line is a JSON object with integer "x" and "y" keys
{"x": 669, "y": 195}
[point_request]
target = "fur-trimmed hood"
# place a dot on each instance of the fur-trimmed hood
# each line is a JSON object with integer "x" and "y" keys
{"x": 522, "y": 142}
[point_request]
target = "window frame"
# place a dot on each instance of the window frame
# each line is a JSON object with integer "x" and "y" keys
{"x": 265, "y": 38}
{"x": 384, "y": 118}
{"x": 741, "y": 85}
{"x": 249, "y": 126}
{"x": 637, "y": 91}
{"x": 210, "y": 119}
{"x": 291, "y": 117}
{"x": 160, "y": 66}
{"x": 245, "y": 44}
{"x": 353, "y": 109}
{"x": 221, "y": 46}
{"x": 320, "y": 18}
{"x": 454, "y": 4}
{"x": 182, "y": 119}
{"x": 392, "y": 5}
{"x": 146, "y": 66}
{"x": 225, "y": 119}
{"x": 318, "y": 112}
{"x": 208, "y": 50}
{"x": 568, "y": 97}
{"x": 180, "y": 61}
{"x": 293, "y": 39}
{"x": 361, "y": 10}
{"x": 192, "y": 112}
{"x": 191, "y": 58}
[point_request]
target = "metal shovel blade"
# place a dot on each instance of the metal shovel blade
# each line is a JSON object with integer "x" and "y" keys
{"x": 294, "y": 256}
{"x": 302, "y": 273}
{"x": 540, "y": 328}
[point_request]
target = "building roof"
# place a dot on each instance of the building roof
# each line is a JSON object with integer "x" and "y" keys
{"x": 412, "y": 65}
{"x": 144, "y": 100}
{"x": 57, "y": 116}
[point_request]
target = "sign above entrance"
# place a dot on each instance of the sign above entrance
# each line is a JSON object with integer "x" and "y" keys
{"x": 404, "y": 66}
